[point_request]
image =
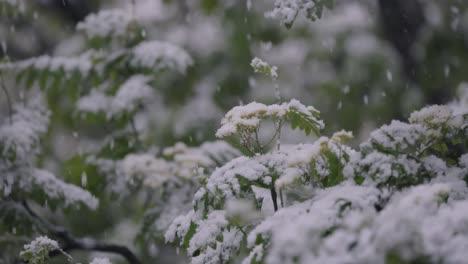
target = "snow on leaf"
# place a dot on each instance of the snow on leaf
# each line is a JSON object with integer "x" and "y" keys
{"x": 19, "y": 139}
{"x": 37, "y": 251}
{"x": 247, "y": 118}
{"x": 288, "y": 10}
{"x": 130, "y": 94}
{"x": 106, "y": 23}
{"x": 160, "y": 55}
{"x": 100, "y": 261}
{"x": 263, "y": 67}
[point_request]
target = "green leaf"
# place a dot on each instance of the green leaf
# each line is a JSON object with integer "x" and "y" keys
{"x": 43, "y": 80}
{"x": 31, "y": 78}
{"x": 334, "y": 165}
{"x": 190, "y": 233}
{"x": 303, "y": 122}
{"x": 76, "y": 168}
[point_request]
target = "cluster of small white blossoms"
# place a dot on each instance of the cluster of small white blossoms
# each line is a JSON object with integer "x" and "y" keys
{"x": 106, "y": 23}
{"x": 248, "y": 117}
{"x": 130, "y": 94}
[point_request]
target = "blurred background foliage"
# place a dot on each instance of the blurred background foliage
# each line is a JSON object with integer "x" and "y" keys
{"x": 364, "y": 63}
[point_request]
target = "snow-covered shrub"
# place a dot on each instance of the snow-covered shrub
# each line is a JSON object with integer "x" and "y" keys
{"x": 37, "y": 252}
{"x": 127, "y": 118}
{"x": 390, "y": 201}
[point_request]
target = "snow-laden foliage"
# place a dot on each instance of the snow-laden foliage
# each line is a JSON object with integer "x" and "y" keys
{"x": 263, "y": 67}
{"x": 100, "y": 261}
{"x": 37, "y": 252}
{"x": 11, "y": 7}
{"x": 253, "y": 178}
{"x": 245, "y": 122}
{"x": 389, "y": 202}
{"x": 130, "y": 119}
{"x": 107, "y": 23}
{"x": 403, "y": 154}
{"x": 157, "y": 55}
{"x": 19, "y": 145}
{"x": 288, "y": 10}
{"x": 110, "y": 78}
{"x": 129, "y": 96}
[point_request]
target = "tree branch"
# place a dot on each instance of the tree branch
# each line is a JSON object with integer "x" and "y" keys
{"x": 7, "y": 95}
{"x": 274, "y": 197}
{"x": 72, "y": 243}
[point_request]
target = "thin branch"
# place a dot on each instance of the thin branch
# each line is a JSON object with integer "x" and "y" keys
{"x": 72, "y": 243}
{"x": 7, "y": 95}
{"x": 278, "y": 142}
{"x": 274, "y": 197}
{"x": 273, "y": 137}
{"x": 135, "y": 133}
{"x": 281, "y": 197}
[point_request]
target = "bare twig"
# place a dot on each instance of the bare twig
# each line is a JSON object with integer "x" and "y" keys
{"x": 274, "y": 197}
